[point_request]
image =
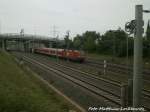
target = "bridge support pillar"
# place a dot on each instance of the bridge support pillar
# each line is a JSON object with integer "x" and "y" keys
{"x": 4, "y": 44}
{"x": 27, "y": 46}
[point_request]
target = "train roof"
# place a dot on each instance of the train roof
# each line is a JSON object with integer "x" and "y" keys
{"x": 45, "y": 48}
{"x": 51, "y": 49}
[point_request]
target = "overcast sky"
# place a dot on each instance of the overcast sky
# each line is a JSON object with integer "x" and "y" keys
{"x": 39, "y": 16}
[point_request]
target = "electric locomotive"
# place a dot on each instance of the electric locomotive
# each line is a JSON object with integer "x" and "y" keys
{"x": 73, "y": 55}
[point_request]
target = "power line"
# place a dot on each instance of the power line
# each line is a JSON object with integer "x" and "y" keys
{"x": 54, "y": 31}
{"x": 0, "y": 27}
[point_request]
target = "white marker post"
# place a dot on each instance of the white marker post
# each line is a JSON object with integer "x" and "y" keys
{"x": 105, "y": 65}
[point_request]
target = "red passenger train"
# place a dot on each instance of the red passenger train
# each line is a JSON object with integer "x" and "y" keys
{"x": 73, "y": 55}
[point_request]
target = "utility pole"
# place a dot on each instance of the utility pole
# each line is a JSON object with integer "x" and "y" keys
{"x": 0, "y": 27}
{"x": 57, "y": 41}
{"x": 56, "y": 37}
{"x": 68, "y": 34}
{"x": 54, "y": 31}
{"x": 114, "y": 45}
{"x": 138, "y": 53}
{"x": 130, "y": 28}
{"x": 136, "y": 27}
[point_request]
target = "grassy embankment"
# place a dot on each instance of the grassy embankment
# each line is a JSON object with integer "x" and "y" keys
{"x": 19, "y": 92}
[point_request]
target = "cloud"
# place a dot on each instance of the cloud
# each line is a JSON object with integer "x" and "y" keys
{"x": 75, "y": 15}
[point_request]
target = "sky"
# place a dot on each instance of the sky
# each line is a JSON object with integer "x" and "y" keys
{"x": 77, "y": 16}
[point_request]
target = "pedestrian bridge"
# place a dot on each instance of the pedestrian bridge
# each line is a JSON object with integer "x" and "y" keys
{"x": 24, "y": 37}
{"x": 25, "y": 41}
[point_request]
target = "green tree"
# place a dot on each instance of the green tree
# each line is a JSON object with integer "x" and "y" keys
{"x": 86, "y": 41}
{"x": 89, "y": 40}
{"x": 78, "y": 42}
{"x": 113, "y": 42}
{"x": 146, "y": 48}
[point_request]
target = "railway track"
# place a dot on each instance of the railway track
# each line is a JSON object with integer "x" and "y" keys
{"x": 80, "y": 68}
{"x": 94, "y": 70}
{"x": 97, "y": 70}
{"x": 82, "y": 80}
{"x": 120, "y": 72}
{"x": 123, "y": 69}
{"x": 106, "y": 91}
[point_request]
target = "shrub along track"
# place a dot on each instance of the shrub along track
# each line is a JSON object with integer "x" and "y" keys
{"x": 100, "y": 87}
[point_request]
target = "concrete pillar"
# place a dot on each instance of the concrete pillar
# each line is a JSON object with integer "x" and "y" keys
{"x": 137, "y": 77}
{"x": 3, "y": 44}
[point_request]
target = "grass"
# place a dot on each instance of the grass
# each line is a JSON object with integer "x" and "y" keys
{"x": 21, "y": 93}
{"x": 119, "y": 60}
